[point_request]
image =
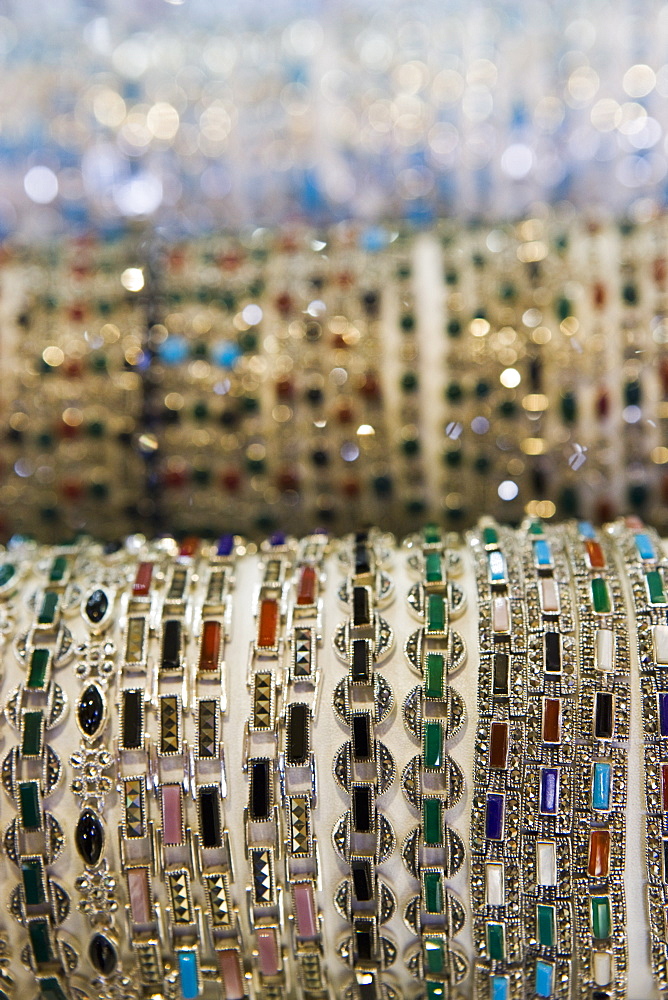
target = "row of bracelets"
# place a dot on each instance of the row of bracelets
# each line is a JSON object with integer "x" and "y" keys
{"x": 192, "y": 880}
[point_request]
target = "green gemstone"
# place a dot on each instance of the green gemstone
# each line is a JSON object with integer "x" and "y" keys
{"x": 433, "y": 569}
{"x": 58, "y": 569}
{"x": 32, "y": 872}
{"x": 490, "y": 536}
{"x": 655, "y": 589}
{"x": 433, "y": 744}
{"x": 545, "y": 921}
{"x": 569, "y": 407}
{"x": 434, "y": 675}
{"x": 407, "y": 322}
{"x": 434, "y": 955}
{"x": 433, "y": 892}
{"x": 39, "y": 663}
{"x": 7, "y": 571}
{"x": 600, "y": 595}
{"x": 496, "y": 943}
{"x": 47, "y": 612}
{"x": 50, "y": 989}
{"x": 536, "y": 528}
{"x": 601, "y": 920}
{"x": 32, "y": 734}
{"x": 435, "y": 613}
{"x": 29, "y": 805}
{"x": 409, "y": 382}
{"x": 435, "y": 991}
{"x": 39, "y": 939}
{"x": 431, "y": 534}
{"x": 432, "y": 821}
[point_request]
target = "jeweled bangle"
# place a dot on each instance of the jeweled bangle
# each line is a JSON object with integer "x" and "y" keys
{"x": 261, "y": 817}
{"x": 434, "y": 713}
{"x": 31, "y": 772}
{"x": 496, "y": 814}
{"x": 547, "y": 820}
{"x": 364, "y": 768}
{"x": 646, "y": 567}
{"x": 297, "y": 764}
{"x": 599, "y": 795}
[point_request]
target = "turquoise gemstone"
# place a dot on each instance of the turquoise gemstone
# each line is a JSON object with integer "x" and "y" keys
{"x": 188, "y": 974}
{"x": 497, "y": 566}
{"x": 542, "y": 553}
{"x": 544, "y": 978}
{"x": 500, "y": 988}
{"x": 644, "y": 546}
{"x": 586, "y": 530}
{"x": 600, "y": 797}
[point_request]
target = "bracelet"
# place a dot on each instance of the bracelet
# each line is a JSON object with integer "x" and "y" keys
{"x": 498, "y": 787}
{"x": 364, "y": 768}
{"x": 600, "y": 764}
{"x": 434, "y": 713}
{"x": 646, "y": 565}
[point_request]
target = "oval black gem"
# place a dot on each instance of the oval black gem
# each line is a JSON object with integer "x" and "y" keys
{"x": 102, "y": 954}
{"x": 91, "y": 710}
{"x": 89, "y": 837}
{"x": 96, "y": 606}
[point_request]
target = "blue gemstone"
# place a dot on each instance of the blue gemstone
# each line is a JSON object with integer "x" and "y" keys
{"x": 544, "y": 978}
{"x": 225, "y": 545}
{"x": 586, "y": 530}
{"x": 226, "y": 353}
{"x": 174, "y": 350}
{"x": 497, "y": 566}
{"x": 644, "y": 546}
{"x": 277, "y": 539}
{"x": 500, "y": 988}
{"x": 542, "y": 553}
{"x": 188, "y": 974}
{"x": 600, "y": 796}
{"x": 549, "y": 789}
{"x": 663, "y": 714}
{"x": 494, "y": 816}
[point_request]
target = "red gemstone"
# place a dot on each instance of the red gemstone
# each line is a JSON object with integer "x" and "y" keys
{"x": 174, "y": 478}
{"x": 604, "y": 511}
{"x": 73, "y": 368}
{"x": 306, "y": 590}
{"x": 266, "y": 633}
{"x": 595, "y": 554}
{"x": 209, "y": 653}
{"x": 659, "y": 270}
{"x": 552, "y": 720}
{"x": 68, "y": 431}
{"x": 283, "y": 304}
{"x": 231, "y": 480}
{"x": 498, "y": 745}
{"x": 285, "y": 388}
{"x": 600, "y": 294}
{"x": 599, "y": 853}
{"x": 189, "y": 546}
{"x": 72, "y": 489}
{"x": 142, "y": 584}
{"x": 287, "y": 480}
{"x": 76, "y": 313}
{"x": 663, "y": 375}
{"x": 345, "y": 279}
{"x": 350, "y": 488}
{"x": 338, "y": 343}
{"x": 345, "y": 414}
{"x": 370, "y": 387}
{"x": 664, "y": 786}
{"x": 602, "y": 404}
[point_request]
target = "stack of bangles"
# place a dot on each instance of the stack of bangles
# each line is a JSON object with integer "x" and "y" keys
{"x": 318, "y": 768}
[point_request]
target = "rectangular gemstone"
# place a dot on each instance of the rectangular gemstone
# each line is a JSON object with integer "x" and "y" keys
{"x": 549, "y": 790}
{"x": 305, "y": 910}
{"x": 494, "y": 816}
{"x": 432, "y": 568}
{"x": 432, "y": 821}
{"x": 40, "y": 941}
{"x": 362, "y": 559}
{"x": 363, "y": 931}
{"x": 490, "y": 537}
{"x": 172, "y": 814}
{"x": 209, "y": 816}
{"x": 604, "y": 713}
{"x": 307, "y": 587}
{"x": 601, "y": 786}
{"x": 268, "y": 623}
{"x": 498, "y": 745}
{"x": 361, "y": 733}
{"x": 542, "y": 554}
{"x": 33, "y": 728}
{"x": 600, "y": 595}
{"x": 362, "y": 875}
{"x": 545, "y": 925}
{"x": 552, "y": 720}
{"x": 660, "y": 644}
{"x": 601, "y": 917}
{"x": 264, "y": 875}
{"x": 39, "y": 668}
{"x": 536, "y": 528}
{"x": 500, "y": 615}
{"x": 58, "y": 569}
{"x": 604, "y": 647}
{"x": 170, "y": 659}
{"x": 210, "y": 646}
{"x": 188, "y": 974}
{"x": 267, "y": 951}
{"x": 498, "y": 574}
{"x": 435, "y": 613}
{"x": 499, "y": 988}
{"x": 361, "y": 661}
{"x": 298, "y": 734}
{"x": 259, "y": 794}
{"x": 434, "y": 955}
{"x": 495, "y": 884}
{"x": 645, "y": 547}
{"x": 665, "y": 860}
{"x": 546, "y": 862}
{"x": 32, "y": 873}
{"x": 189, "y": 546}
{"x": 29, "y": 805}
{"x": 225, "y": 546}
{"x": 362, "y": 809}
{"x": 143, "y": 576}
{"x": 594, "y": 553}
{"x": 552, "y": 652}
{"x": 500, "y": 678}
{"x": 139, "y": 894}
{"x": 433, "y": 744}
{"x": 434, "y": 675}
{"x": 48, "y": 608}
{"x": 431, "y": 534}
{"x": 663, "y": 713}
{"x": 586, "y": 530}
{"x": 170, "y": 724}
{"x": 664, "y": 787}
{"x": 433, "y": 891}
{"x": 229, "y": 964}
{"x": 655, "y": 591}
{"x": 602, "y": 967}
{"x": 361, "y": 612}
{"x": 549, "y": 596}
{"x": 496, "y": 941}
{"x": 544, "y": 984}
{"x": 599, "y": 853}
{"x": 133, "y": 807}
